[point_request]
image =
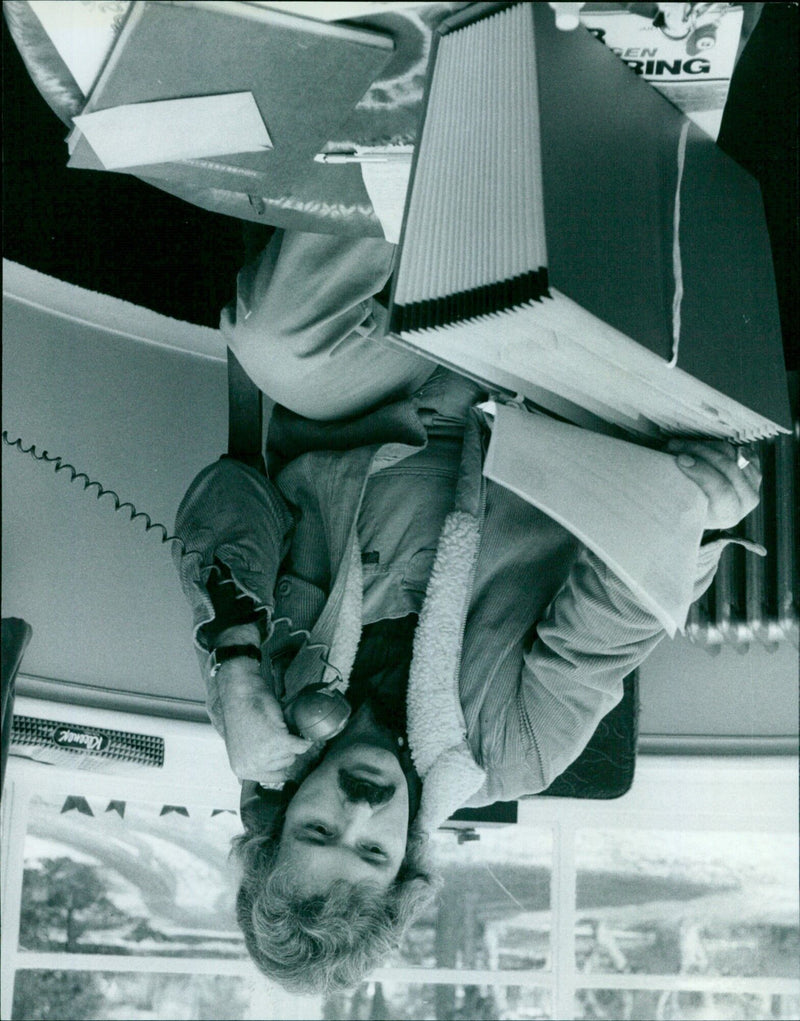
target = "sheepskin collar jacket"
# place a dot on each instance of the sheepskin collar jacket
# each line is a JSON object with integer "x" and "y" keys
{"x": 523, "y": 638}
{"x": 436, "y": 724}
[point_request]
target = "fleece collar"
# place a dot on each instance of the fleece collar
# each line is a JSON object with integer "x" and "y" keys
{"x": 436, "y": 727}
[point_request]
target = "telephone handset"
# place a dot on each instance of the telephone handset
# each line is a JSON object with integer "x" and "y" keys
{"x": 318, "y": 712}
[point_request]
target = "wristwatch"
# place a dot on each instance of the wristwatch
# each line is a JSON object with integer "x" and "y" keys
{"x": 226, "y": 652}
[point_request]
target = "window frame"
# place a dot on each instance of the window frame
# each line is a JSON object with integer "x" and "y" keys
{"x": 726, "y": 794}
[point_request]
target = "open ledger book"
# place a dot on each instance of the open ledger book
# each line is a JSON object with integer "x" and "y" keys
{"x": 238, "y": 96}
{"x": 632, "y": 506}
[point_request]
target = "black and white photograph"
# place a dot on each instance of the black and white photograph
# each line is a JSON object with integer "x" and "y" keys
{"x": 400, "y": 486}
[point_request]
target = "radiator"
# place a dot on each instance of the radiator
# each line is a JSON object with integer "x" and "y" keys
{"x": 752, "y": 598}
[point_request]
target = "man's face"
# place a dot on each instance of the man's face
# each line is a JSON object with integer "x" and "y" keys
{"x": 349, "y": 819}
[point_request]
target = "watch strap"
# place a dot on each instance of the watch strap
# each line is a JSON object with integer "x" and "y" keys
{"x": 225, "y": 652}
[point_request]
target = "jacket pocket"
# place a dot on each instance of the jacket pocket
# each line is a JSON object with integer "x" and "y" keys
{"x": 418, "y": 571}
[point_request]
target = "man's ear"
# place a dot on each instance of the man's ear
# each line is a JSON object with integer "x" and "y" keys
{"x": 261, "y": 809}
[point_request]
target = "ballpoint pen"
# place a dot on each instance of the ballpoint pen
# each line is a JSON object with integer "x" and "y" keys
{"x": 364, "y": 157}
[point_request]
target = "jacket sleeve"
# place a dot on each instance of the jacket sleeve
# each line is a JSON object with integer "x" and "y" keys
{"x": 234, "y": 514}
{"x": 593, "y": 635}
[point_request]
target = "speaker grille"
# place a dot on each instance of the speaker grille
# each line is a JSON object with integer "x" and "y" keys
{"x": 72, "y": 739}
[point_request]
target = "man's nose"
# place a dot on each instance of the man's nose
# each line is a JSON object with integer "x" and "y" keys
{"x": 356, "y": 814}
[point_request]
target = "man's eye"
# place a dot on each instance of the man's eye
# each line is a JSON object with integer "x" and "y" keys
{"x": 374, "y": 851}
{"x": 319, "y": 831}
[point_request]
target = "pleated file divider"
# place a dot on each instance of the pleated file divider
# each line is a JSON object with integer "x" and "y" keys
{"x": 570, "y": 236}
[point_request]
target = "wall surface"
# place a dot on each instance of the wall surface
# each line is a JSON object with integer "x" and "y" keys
{"x": 142, "y": 418}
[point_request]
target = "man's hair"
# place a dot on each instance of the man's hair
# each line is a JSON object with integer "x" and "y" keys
{"x": 328, "y": 941}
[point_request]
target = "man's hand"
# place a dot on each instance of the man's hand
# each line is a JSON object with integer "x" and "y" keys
{"x": 732, "y": 491}
{"x": 257, "y": 739}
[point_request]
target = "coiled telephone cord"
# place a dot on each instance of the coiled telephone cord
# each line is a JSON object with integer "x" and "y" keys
{"x": 59, "y": 464}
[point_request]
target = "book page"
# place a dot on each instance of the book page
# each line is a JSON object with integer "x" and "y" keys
{"x": 632, "y": 506}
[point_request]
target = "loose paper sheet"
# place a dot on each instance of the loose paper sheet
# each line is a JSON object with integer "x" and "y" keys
{"x": 632, "y": 506}
{"x": 387, "y": 184}
{"x": 140, "y": 134}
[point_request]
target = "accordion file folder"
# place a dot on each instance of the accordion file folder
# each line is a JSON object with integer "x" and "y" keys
{"x": 305, "y": 77}
{"x": 569, "y": 235}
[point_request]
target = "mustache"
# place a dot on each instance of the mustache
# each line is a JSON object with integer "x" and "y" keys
{"x": 355, "y": 788}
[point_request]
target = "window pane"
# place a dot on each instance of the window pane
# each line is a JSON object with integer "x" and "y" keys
{"x": 84, "y": 995}
{"x": 410, "y": 1002}
{"x": 122, "y": 877}
{"x": 644, "y": 1005}
{"x": 494, "y": 909}
{"x": 693, "y": 902}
